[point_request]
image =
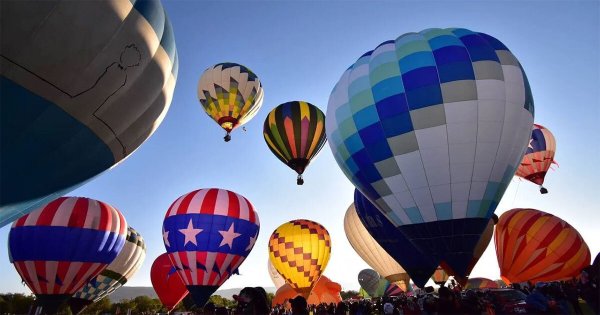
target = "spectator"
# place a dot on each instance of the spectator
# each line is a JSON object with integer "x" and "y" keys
{"x": 299, "y": 305}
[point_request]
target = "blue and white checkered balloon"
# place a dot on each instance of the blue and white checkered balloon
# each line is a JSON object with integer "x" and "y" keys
{"x": 431, "y": 126}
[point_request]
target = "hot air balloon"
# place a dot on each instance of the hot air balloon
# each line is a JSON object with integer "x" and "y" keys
{"x": 277, "y": 279}
{"x": 532, "y": 245}
{"x": 371, "y": 252}
{"x": 418, "y": 265}
{"x": 208, "y": 233}
{"x": 538, "y": 157}
{"x": 60, "y": 247}
{"x": 440, "y": 276}
{"x": 230, "y": 94}
{"x": 325, "y": 291}
{"x": 166, "y": 282}
{"x": 77, "y": 98}
{"x": 369, "y": 280}
{"x": 393, "y": 290}
{"x": 299, "y": 250}
{"x": 431, "y": 127}
{"x": 481, "y": 283}
{"x": 125, "y": 265}
{"x": 295, "y": 133}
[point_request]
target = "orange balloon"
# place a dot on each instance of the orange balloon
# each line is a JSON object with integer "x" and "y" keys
{"x": 325, "y": 291}
{"x": 532, "y": 245}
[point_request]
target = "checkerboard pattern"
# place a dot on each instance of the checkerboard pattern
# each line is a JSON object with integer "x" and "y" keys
{"x": 299, "y": 250}
{"x": 431, "y": 126}
{"x": 230, "y": 93}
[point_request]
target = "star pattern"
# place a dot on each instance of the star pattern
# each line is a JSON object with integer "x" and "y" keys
{"x": 190, "y": 233}
{"x": 252, "y": 241}
{"x": 530, "y": 143}
{"x": 228, "y": 236}
{"x": 166, "y": 237}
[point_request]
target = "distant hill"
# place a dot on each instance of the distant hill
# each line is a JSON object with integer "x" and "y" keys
{"x": 132, "y": 292}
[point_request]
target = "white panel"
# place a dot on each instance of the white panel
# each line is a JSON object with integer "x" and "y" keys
{"x": 224, "y": 81}
{"x": 489, "y": 131}
{"x": 462, "y": 153}
{"x": 459, "y": 209}
{"x": 432, "y": 137}
{"x": 412, "y": 168}
{"x": 462, "y": 132}
{"x": 441, "y": 193}
{"x": 397, "y": 209}
{"x": 486, "y": 151}
{"x": 462, "y": 172}
{"x": 490, "y": 90}
{"x": 424, "y": 201}
{"x": 437, "y": 156}
{"x": 405, "y": 199}
{"x": 438, "y": 175}
{"x": 358, "y": 72}
{"x": 477, "y": 190}
{"x": 491, "y": 110}
{"x": 461, "y": 111}
{"x": 396, "y": 183}
{"x": 460, "y": 191}
{"x": 383, "y": 49}
{"x": 482, "y": 171}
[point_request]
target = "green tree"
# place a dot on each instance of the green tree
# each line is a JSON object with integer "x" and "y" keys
{"x": 218, "y": 300}
{"x": 100, "y": 307}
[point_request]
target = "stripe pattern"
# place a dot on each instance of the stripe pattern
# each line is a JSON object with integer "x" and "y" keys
{"x": 299, "y": 250}
{"x": 230, "y": 94}
{"x": 532, "y": 245}
{"x": 295, "y": 133}
{"x": 367, "y": 247}
{"x": 60, "y": 247}
{"x": 208, "y": 233}
{"x": 125, "y": 265}
{"x": 77, "y": 98}
{"x": 431, "y": 126}
{"x": 480, "y": 283}
{"x": 539, "y": 155}
{"x": 369, "y": 281}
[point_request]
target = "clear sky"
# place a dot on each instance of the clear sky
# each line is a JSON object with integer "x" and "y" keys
{"x": 299, "y": 50}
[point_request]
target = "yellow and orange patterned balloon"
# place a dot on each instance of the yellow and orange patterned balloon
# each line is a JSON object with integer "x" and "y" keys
{"x": 300, "y": 250}
{"x": 535, "y": 246}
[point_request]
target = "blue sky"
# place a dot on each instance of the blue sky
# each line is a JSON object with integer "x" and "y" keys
{"x": 299, "y": 50}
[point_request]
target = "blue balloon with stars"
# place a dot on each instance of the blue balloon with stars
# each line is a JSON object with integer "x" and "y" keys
{"x": 208, "y": 233}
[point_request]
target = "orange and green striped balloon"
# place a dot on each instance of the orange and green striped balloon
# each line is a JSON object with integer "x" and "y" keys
{"x": 535, "y": 246}
{"x": 295, "y": 133}
{"x": 300, "y": 250}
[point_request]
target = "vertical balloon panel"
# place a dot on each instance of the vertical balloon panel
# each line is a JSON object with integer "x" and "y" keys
{"x": 431, "y": 127}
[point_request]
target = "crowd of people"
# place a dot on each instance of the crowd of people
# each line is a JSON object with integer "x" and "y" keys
{"x": 541, "y": 298}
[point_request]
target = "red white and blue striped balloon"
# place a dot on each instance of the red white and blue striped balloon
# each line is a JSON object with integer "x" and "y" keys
{"x": 208, "y": 233}
{"x": 60, "y": 247}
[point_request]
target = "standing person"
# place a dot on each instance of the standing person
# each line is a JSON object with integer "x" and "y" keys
{"x": 299, "y": 306}
{"x": 388, "y": 307}
{"x": 538, "y": 299}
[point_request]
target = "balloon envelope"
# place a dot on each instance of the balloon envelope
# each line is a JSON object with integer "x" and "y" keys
{"x": 539, "y": 155}
{"x": 230, "y": 94}
{"x": 166, "y": 282}
{"x": 431, "y": 127}
{"x": 121, "y": 269}
{"x": 481, "y": 283}
{"x": 300, "y": 250}
{"x": 295, "y": 133}
{"x": 368, "y": 248}
{"x": 277, "y": 279}
{"x": 325, "y": 291}
{"x": 77, "y": 98}
{"x": 60, "y": 247}
{"x": 208, "y": 233}
{"x": 532, "y": 245}
{"x": 369, "y": 280}
{"x": 417, "y": 264}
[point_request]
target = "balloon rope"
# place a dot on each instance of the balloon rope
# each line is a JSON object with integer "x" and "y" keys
{"x": 516, "y": 192}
